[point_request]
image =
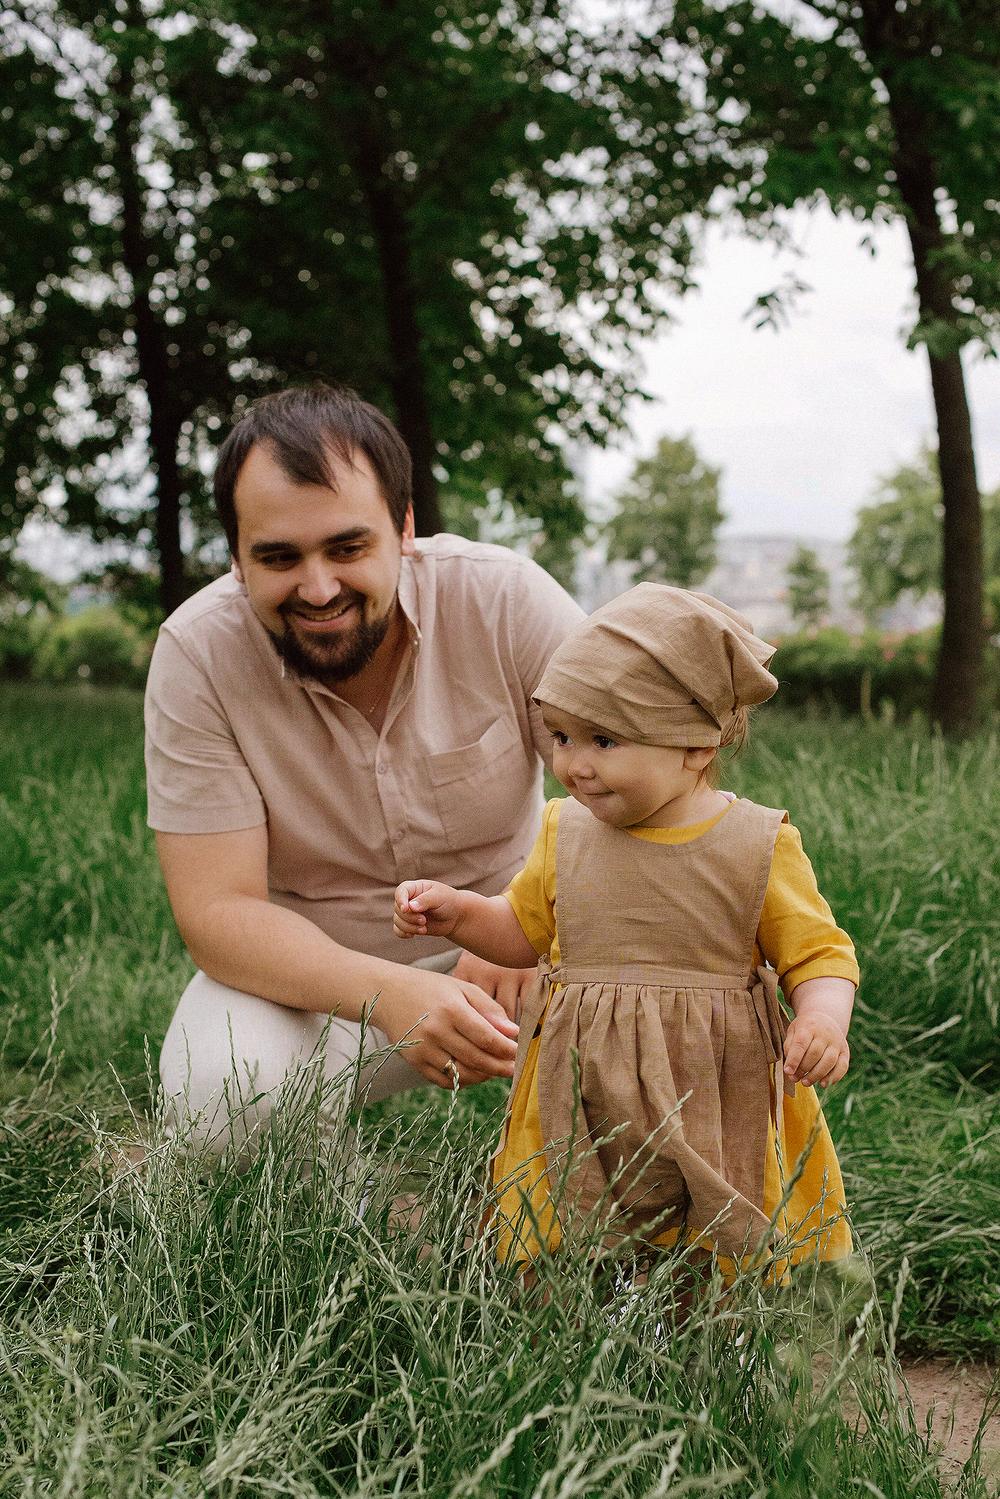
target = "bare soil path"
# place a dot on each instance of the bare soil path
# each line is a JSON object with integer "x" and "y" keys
{"x": 951, "y": 1398}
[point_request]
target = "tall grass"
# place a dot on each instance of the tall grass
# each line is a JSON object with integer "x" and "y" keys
{"x": 177, "y": 1331}
{"x": 174, "y": 1330}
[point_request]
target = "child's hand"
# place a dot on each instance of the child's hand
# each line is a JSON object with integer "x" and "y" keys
{"x": 816, "y": 1051}
{"x": 423, "y": 908}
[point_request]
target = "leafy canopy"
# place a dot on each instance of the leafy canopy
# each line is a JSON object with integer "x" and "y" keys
{"x": 668, "y": 515}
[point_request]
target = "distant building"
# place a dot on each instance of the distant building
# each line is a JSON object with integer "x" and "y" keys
{"x": 750, "y": 575}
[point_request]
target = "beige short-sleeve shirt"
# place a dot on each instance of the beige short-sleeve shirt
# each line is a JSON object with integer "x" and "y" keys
{"x": 451, "y": 787}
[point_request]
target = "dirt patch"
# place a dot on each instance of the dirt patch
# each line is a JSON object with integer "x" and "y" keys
{"x": 949, "y": 1399}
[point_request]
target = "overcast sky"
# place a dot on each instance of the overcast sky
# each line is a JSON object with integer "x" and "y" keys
{"x": 802, "y": 421}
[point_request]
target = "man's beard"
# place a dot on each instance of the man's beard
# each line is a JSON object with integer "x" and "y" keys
{"x": 333, "y": 659}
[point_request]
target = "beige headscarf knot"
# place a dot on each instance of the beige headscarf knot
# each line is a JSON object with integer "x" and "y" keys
{"x": 660, "y": 665}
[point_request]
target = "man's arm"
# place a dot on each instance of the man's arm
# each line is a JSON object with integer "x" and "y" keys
{"x": 217, "y": 884}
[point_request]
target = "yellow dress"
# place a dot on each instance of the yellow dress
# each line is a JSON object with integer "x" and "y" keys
{"x": 798, "y": 936}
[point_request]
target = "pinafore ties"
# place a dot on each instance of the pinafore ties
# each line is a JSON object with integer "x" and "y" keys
{"x": 677, "y": 1037}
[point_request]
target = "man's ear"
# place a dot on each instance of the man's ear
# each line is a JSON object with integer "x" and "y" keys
{"x": 236, "y": 570}
{"x": 409, "y": 533}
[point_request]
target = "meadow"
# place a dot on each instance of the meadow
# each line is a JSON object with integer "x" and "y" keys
{"x": 175, "y": 1331}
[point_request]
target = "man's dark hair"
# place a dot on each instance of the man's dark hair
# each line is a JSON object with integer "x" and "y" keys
{"x": 302, "y": 428}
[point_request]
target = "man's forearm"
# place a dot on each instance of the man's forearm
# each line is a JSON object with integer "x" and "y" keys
{"x": 488, "y": 927}
{"x": 264, "y": 949}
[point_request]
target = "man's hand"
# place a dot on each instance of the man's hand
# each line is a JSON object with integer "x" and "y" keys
{"x": 507, "y": 986}
{"x": 425, "y": 908}
{"x": 461, "y": 1034}
{"x": 816, "y": 1051}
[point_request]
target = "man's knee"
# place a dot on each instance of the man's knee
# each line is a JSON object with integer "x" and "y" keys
{"x": 226, "y": 1059}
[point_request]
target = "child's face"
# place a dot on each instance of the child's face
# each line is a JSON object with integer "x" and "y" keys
{"x": 622, "y": 783}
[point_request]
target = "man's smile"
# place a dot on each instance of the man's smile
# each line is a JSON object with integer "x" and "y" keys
{"x": 320, "y": 621}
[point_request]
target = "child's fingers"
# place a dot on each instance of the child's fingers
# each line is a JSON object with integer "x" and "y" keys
{"x": 837, "y": 1069}
{"x": 407, "y": 897}
{"x": 404, "y": 928}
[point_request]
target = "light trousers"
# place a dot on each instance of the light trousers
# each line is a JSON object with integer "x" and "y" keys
{"x": 226, "y": 1056}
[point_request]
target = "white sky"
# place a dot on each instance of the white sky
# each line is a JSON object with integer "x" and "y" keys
{"x": 802, "y": 421}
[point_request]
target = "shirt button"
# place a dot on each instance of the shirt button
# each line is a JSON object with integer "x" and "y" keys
{"x": 381, "y": 768}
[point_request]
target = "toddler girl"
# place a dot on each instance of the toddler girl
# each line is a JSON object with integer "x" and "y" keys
{"x": 653, "y": 1047}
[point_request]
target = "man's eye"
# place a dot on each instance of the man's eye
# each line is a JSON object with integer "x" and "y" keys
{"x": 344, "y": 554}
{"x": 603, "y": 742}
{"x": 277, "y": 559}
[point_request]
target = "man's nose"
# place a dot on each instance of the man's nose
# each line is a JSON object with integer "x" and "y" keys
{"x": 318, "y": 583}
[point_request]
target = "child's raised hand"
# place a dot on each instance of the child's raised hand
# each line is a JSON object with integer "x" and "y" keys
{"x": 816, "y": 1051}
{"x": 424, "y": 908}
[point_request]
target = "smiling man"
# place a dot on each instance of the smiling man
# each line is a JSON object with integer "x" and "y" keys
{"x": 348, "y": 702}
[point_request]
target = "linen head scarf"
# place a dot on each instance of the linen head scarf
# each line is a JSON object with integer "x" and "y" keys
{"x": 660, "y": 665}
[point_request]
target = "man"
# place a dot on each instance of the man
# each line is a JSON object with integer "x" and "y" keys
{"x": 348, "y": 706}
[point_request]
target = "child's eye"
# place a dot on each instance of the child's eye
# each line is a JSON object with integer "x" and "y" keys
{"x": 603, "y": 741}
{"x": 560, "y": 739}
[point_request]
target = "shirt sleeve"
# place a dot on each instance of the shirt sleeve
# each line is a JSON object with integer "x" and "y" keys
{"x": 540, "y": 617}
{"x": 197, "y": 780}
{"x": 797, "y": 933}
{"x": 532, "y": 892}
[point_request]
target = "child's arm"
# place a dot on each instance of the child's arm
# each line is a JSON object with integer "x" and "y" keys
{"x": 485, "y": 925}
{"x": 816, "y": 1049}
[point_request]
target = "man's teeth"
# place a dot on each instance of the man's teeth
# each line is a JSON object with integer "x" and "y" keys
{"x": 328, "y": 614}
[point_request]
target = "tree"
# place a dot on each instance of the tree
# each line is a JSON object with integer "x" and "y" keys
{"x": 114, "y": 367}
{"x": 480, "y": 213}
{"x": 469, "y": 212}
{"x": 896, "y": 546}
{"x": 668, "y": 515}
{"x": 885, "y": 108}
{"x": 808, "y": 586}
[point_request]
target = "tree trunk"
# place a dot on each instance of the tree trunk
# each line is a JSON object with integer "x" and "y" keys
{"x": 407, "y": 379}
{"x": 154, "y": 371}
{"x": 957, "y": 684}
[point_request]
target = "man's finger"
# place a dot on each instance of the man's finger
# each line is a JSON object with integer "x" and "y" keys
{"x": 484, "y": 1011}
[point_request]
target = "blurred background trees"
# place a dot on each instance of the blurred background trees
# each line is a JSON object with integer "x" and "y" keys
{"x": 470, "y": 213}
{"x": 883, "y": 108}
{"x": 668, "y": 516}
{"x": 808, "y": 586}
{"x": 474, "y": 214}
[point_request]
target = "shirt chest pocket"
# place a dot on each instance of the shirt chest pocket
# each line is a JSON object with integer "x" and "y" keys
{"x": 479, "y": 787}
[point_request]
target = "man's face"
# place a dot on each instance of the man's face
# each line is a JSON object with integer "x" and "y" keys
{"x": 320, "y": 566}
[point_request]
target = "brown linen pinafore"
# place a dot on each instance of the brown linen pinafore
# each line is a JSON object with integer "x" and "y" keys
{"x": 676, "y": 1036}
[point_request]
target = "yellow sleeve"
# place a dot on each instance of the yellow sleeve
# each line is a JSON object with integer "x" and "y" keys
{"x": 797, "y": 933}
{"x": 532, "y": 892}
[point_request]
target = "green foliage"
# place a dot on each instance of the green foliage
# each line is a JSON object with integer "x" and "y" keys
{"x": 98, "y": 645}
{"x": 808, "y": 588}
{"x": 858, "y": 674}
{"x": 28, "y": 603}
{"x": 461, "y": 210}
{"x": 668, "y": 515}
{"x": 896, "y": 546}
{"x": 813, "y": 103}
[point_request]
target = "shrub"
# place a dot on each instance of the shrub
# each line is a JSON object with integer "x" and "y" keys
{"x": 97, "y": 645}
{"x": 867, "y": 672}
{"x": 20, "y": 633}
